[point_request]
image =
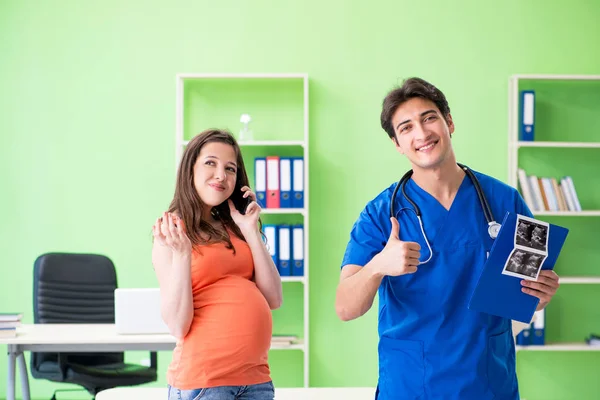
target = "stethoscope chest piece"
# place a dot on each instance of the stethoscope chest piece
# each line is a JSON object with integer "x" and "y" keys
{"x": 493, "y": 229}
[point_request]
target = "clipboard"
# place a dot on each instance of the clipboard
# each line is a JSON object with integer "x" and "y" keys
{"x": 524, "y": 247}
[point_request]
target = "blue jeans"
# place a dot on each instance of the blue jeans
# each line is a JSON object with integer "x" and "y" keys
{"x": 260, "y": 391}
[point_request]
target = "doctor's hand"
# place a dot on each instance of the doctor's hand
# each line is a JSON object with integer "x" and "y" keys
{"x": 544, "y": 288}
{"x": 398, "y": 257}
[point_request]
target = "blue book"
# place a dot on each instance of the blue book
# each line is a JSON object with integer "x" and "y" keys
{"x": 523, "y": 248}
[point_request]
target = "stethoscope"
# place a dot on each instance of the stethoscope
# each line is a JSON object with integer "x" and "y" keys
{"x": 493, "y": 226}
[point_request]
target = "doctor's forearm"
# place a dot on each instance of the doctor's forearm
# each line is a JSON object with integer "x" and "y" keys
{"x": 355, "y": 293}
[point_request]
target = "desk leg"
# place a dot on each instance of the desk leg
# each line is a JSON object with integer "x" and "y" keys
{"x": 24, "y": 376}
{"x": 10, "y": 384}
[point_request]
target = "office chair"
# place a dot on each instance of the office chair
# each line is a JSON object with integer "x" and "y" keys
{"x": 79, "y": 288}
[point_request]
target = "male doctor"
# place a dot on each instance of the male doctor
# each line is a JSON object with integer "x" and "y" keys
{"x": 431, "y": 346}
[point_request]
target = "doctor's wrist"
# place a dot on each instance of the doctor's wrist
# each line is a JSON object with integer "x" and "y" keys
{"x": 373, "y": 268}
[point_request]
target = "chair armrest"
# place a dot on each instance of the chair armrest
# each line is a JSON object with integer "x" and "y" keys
{"x": 153, "y": 360}
{"x": 62, "y": 365}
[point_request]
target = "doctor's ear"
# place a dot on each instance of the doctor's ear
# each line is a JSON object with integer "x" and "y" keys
{"x": 397, "y": 145}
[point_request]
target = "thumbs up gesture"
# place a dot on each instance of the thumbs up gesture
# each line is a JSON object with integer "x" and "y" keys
{"x": 398, "y": 257}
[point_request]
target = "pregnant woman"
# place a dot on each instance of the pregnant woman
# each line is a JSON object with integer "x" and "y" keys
{"x": 217, "y": 280}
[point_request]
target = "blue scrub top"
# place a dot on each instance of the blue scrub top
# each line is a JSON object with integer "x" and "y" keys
{"x": 431, "y": 346}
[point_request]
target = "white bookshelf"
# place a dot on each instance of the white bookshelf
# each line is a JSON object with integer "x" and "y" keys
{"x": 559, "y": 347}
{"x": 302, "y": 211}
{"x": 580, "y": 280}
{"x": 262, "y": 143}
{"x": 586, "y": 213}
{"x": 582, "y": 145}
{"x": 514, "y": 144}
{"x": 294, "y": 346}
{"x": 302, "y": 143}
{"x": 293, "y": 279}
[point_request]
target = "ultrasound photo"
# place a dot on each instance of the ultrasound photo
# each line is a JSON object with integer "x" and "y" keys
{"x": 531, "y": 234}
{"x": 524, "y": 264}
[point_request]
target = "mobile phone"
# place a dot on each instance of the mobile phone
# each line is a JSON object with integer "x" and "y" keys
{"x": 240, "y": 202}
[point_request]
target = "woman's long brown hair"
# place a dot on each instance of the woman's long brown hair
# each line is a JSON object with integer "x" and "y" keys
{"x": 188, "y": 204}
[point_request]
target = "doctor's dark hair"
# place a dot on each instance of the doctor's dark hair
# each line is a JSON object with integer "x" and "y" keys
{"x": 411, "y": 88}
{"x": 189, "y": 206}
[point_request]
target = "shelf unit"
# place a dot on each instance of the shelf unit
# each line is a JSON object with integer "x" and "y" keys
{"x": 551, "y": 144}
{"x": 560, "y": 347}
{"x": 246, "y": 84}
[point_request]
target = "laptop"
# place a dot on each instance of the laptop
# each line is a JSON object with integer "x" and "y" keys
{"x": 137, "y": 311}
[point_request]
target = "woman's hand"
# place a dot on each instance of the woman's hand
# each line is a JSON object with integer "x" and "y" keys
{"x": 248, "y": 222}
{"x": 170, "y": 231}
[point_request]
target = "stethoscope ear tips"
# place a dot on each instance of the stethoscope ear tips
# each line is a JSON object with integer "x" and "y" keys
{"x": 493, "y": 229}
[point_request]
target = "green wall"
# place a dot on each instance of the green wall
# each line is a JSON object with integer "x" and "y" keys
{"x": 87, "y": 121}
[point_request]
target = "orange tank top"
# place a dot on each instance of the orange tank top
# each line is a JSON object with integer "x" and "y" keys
{"x": 230, "y": 334}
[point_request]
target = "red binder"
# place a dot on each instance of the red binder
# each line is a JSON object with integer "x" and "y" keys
{"x": 273, "y": 193}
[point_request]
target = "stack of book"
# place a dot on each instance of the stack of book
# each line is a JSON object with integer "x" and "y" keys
{"x": 9, "y": 322}
{"x": 548, "y": 194}
{"x": 283, "y": 340}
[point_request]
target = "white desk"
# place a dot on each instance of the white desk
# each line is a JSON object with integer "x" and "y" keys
{"x": 72, "y": 338}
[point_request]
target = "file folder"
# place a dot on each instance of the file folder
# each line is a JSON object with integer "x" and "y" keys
{"x": 260, "y": 181}
{"x": 524, "y": 337}
{"x": 285, "y": 180}
{"x": 298, "y": 182}
{"x": 285, "y": 251}
{"x": 527, "y": 115}
{"x": 538, "y": 333}
{"x": 298, "y": 250}
{"x": 272, "y": 242}
{"x": 523, "y": 248}
{"x": 273, "y": 198}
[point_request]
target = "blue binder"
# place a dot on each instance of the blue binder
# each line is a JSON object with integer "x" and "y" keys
{"x": 260, "y": 181}
{"x": 527, "y": 114}
{"x": 298, "y": 250}
{"x": 524, "y": 337}
{"x": 524, "y": 246}
{"x": 271, "y": 235}
{"x": 297, "y": 182}
{"x": 285, "y": 251}
{"x": 538, "y": 329}
{"x": 285, "y": 182}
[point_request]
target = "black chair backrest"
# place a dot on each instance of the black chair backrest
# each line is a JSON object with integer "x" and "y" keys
{"x": 74, "y": 288}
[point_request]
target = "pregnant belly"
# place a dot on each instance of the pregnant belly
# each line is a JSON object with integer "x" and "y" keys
{"x": 231, "y": 319}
